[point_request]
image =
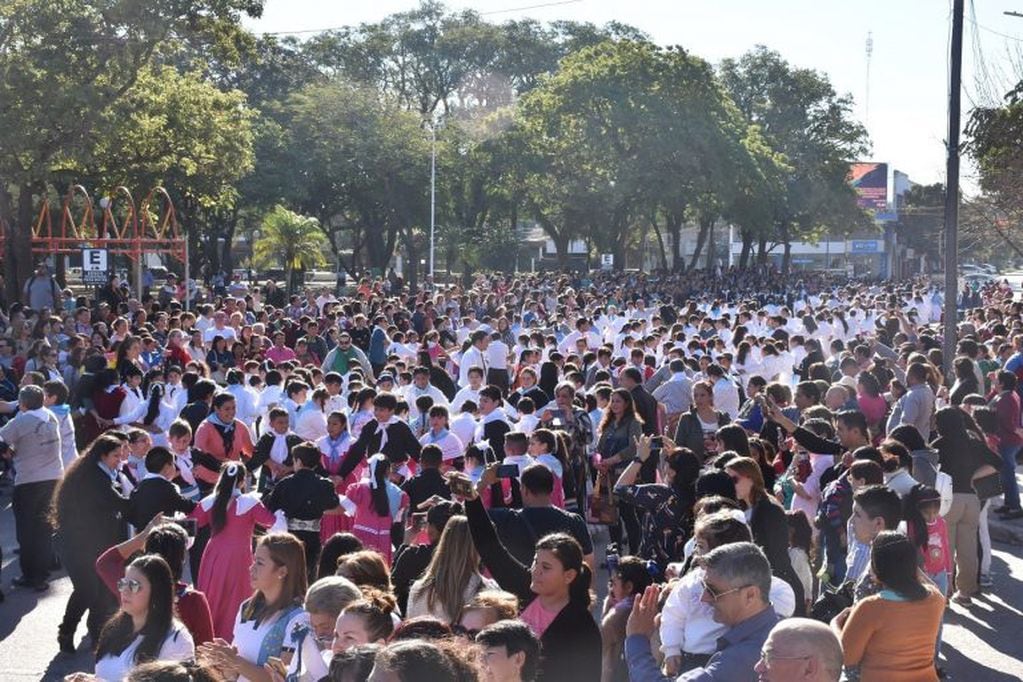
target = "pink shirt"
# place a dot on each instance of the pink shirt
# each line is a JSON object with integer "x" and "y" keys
{"x": 282, "y": 354}
{"x": 537, "y": 617}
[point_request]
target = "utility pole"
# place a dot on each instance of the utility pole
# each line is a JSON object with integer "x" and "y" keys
{"x": 870, "y": 53}
{"x": 952, "y": 189}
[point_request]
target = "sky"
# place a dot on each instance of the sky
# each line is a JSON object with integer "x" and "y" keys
{"x": 908, "y": 74}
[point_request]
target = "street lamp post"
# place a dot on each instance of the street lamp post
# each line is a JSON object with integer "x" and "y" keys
{"x": 433, "y": 188}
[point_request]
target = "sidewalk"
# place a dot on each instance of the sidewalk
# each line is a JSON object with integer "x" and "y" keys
{"x": 1009, "y": 532}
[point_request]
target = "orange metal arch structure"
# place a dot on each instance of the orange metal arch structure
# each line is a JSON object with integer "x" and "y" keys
{"x": 133, "y": 235}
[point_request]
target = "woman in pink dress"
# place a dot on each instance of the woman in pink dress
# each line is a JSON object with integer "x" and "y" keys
{"x": 333, "y": 448}
{"x": 231, "y": 516}
{"x": 376, "y": 504}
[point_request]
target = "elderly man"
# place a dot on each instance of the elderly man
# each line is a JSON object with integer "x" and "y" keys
{"x": 32, "y": 440}
{"x": 737, "y": 584}
{"x": 800, "y": 650}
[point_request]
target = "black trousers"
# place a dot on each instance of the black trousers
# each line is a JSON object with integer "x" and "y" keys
{"x": 311, "y": 542}
{"x": 499, "y": 378}
{"x": 31, "y": 504}
{"x": 88, "y": 594}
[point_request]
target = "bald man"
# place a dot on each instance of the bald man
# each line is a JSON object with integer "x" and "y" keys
{"x": 800, "y": 650}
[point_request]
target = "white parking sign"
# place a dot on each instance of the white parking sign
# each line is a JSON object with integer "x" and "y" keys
{"x": 95, "y": 266}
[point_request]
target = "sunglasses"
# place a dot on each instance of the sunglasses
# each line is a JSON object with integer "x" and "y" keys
{"x": 129, "y": 584}
{"x": 714, "y": 594}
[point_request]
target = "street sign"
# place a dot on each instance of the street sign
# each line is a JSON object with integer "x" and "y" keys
{"x": 607, "y": 261}
{"x": 95, "y": 266}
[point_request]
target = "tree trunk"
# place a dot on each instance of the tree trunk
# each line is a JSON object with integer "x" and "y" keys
{"x": 747, "y": 249}
{"x": 701, "y": 238}
{"x": 711, "y": 248}
{"x": 762, "y": 251}
{"x": 660, "y": 243}
{"x": 19, "y": 255}
{"x": 786, "y": 258}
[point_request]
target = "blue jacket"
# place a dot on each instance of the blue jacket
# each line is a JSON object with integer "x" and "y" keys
{"x": 737, "y": 652}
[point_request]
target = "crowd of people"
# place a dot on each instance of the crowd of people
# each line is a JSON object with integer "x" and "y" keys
{"x": 406, "y": 483}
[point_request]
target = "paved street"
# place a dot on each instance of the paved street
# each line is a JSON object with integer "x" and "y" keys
{"x": 981, "y": 645}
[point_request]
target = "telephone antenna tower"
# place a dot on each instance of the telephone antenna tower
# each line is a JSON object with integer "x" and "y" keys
{"x": 870, "y": 53}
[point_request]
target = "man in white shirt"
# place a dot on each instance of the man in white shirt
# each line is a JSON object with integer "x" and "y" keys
{"x": 496, "y": 356}
{"x": 474, "y": 356}
{"x": 219, "y": 328}
{"x": 726, "y": 393}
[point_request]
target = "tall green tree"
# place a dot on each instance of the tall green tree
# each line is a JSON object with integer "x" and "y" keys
{"x": 802, "y": 117}
{"x": 64, "y": 64}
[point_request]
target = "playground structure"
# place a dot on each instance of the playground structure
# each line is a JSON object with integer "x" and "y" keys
{"x": 124, "y": 228}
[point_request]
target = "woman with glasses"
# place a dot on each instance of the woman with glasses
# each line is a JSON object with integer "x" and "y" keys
{"x": 767, "y": 521}
{"x": 144, "y": 629}
{"x": 309, "y": 643}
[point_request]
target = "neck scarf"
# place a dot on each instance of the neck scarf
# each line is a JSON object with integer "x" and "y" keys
{"x": 279, "y": 449}
{"x": 334, "y": 445}
{"x": 382, "y": 432}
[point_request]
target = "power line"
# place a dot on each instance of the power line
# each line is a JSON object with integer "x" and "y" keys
{"x": 556, "y": 3}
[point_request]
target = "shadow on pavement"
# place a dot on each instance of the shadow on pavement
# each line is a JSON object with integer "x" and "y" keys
{"x": 963, "y": 667}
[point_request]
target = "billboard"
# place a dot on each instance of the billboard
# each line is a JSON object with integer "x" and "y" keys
{"x": 870, "y": 180}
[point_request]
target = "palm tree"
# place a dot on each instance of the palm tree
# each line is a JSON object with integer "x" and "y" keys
{"x": 296, "y": 239}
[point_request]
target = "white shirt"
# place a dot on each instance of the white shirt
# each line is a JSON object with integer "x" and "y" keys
{"x": 177, "y": 646}
{"x": 248, "y": 638}
{"x": 687, "y": 624}
{"x": 227, "y": 333}
{"x": 726, "y": 397}
{"x": 467, "y": 393}
{"x": 247, "y": 408}
{"x": 412, "y": 392}
{"x": 464, "y": 426}
{"x": 449, "y": 444}
{"x": 497, "y": 355}
{"x": 471, "y": 358}
{"x": 311, "y": 424}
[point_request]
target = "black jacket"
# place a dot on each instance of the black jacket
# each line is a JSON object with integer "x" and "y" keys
{"x": 571, "y": 644}
{"x": 92, "y": 517}
{"x": 646, "y": 408}
{"x": 424, "y": 485}
{"x": 401, "y": 444}
{"x": 302, "y": 495}
{"x": 410, "y": 563}
{"x": 261, "y": 453}
{"x": 153, "y": 496}
{"x": 771, "y": 533}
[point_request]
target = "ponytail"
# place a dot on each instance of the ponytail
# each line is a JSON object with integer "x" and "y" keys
{"x": 569, "y": 552}
{"x": 230, "y": 473}
{"x": 378, "y": 486}
{"x": 579, "y": 590}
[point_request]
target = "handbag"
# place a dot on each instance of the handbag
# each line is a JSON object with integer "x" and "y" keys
{"x": 830, "y": 603}
{"x": 987, "y": 482}
{"x": 599, "y": 508}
